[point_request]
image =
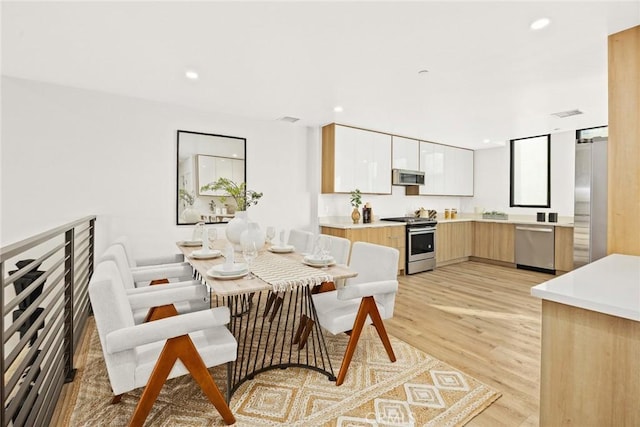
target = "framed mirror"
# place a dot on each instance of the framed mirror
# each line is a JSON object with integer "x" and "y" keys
{"x": 531, "y": 172}
{"x": 202, "y": 159}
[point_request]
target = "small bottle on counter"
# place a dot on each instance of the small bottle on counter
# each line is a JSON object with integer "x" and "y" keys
{"x": 454, "y": 213}
{"x": 366, "y": 213}
{"x": 447, "y": 214}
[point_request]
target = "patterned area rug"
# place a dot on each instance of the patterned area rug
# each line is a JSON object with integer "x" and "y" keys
{"x": 416, "y": 390}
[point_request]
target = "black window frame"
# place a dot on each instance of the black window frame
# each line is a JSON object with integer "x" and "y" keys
{"x": 512, "y": 173}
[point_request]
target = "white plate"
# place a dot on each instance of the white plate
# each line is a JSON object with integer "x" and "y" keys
{"x": 190, "y": 243}
{"x": 197, "y": 254}
{"x": 234, "y": 276}
{"x": 313, "y": 264}
{"x": 310, "y": 259}
{"x": 282, "y": 249}
{"x": 237, "y": 268}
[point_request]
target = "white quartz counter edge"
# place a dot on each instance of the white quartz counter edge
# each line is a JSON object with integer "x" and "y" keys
{"x": 507, "y": 221}
{"x": 610, "y": 285}
{"x": 345, "y": 226}
{"x": 348, "y": 225}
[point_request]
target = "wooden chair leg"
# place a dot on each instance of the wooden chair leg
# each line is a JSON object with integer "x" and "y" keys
{"x": 276, "y": 307}
{"x": 358, "y": 324}
{"x": 160, "y": 312}
{"x": 367, "y": 308}
{"x": 303, "y": 323}
{"x": 194, "y": 363}
{"x": 382, "y": 332}
{"x": 323, "y": 287}
{"x": 270, "y": 300}
{"x": 179, "y": 348}
{"x": 308, "y": 327}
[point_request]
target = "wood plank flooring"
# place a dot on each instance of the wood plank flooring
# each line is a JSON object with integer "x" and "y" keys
{"x": 481, "y": 319}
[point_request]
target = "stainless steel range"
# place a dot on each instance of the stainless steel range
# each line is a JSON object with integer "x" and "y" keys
{"x": 421, "y": 243}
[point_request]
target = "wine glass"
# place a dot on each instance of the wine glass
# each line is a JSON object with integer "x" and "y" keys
{"x": 271, "y": 233}
{"x": 250, "y": 253}
{"x": 213, "y": 235}
{"x": 325, "y": 251}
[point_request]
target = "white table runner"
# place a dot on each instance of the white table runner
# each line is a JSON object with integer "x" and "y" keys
{"x": 285, "y": 274}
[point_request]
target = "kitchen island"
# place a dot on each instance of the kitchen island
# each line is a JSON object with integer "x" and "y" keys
{"x": 590, "y": 358}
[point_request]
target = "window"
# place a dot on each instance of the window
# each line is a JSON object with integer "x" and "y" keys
{"x": 531, "y": 172}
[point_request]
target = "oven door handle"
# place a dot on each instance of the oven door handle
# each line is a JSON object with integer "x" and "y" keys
{"x": 421, "y": 229}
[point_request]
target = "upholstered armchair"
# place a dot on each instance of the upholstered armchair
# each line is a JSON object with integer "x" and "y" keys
{"x": 173, "y": 260}
{"x": 145, "y": 355}
{"x": 198, "y": 292}
{"x": 300, "y": 239}
{"x": 366, "y": 298}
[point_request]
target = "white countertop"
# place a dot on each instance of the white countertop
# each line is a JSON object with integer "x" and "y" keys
{"x": 347, "y": 222}
{"x": 513, "y": 219}
{"x": 610, "y": 285}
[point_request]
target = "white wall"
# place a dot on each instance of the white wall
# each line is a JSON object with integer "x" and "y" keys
{"x": 491, "y": 178}
{"x": 69, "y": 152}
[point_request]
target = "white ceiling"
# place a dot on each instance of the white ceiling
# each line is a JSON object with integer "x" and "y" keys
{"x": 490, "y": 76}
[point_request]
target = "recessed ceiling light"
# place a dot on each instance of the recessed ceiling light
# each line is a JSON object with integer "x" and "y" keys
{"x": 338, "y": 109}
{"x": 539, "y": 24}
{"x": 486, "y": 141}
{"x": 190, "y": 74}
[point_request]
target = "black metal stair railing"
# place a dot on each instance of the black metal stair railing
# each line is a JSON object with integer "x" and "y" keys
{"x": 45, "y": 304}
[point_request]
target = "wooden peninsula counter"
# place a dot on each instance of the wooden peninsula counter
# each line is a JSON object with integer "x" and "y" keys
{"x": 590, "y": 364}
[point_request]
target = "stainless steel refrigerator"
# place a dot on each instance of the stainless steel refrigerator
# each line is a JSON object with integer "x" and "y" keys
{"x": 590, "y": 202}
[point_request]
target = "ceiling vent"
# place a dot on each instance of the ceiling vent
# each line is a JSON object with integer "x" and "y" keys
{"x": 569, "y": 113}
{"x": 288, "y": 119}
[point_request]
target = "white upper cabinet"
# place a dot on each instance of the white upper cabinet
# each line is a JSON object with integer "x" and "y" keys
{"x": 355, "y": 158}
{"x": 405, "y": 153}
{"x": 448, "y": 170}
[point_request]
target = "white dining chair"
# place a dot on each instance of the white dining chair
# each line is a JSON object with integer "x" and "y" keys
{"x": 301, "y": 240}
{"x": 173, "y": 260}
{"x": 146, "y": 355}
{"x": 199, "y": 293}
{"x": 339, "y": 248}
{"x": 367, "y": 298}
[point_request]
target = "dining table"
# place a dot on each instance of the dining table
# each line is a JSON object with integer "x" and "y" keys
{"x": 273, "y": 317}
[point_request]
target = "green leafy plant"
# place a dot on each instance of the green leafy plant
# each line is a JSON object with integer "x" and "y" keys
{"x": 356, "y": 198}
{"x": 243, "y": 197}
{"x": 186, "y": 197}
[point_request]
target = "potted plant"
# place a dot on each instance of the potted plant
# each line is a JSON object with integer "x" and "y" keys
{"x": 243, "y": 197}
{"x": 356, "y": 201}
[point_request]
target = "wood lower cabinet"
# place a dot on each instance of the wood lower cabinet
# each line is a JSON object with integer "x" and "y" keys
{"x": 392, "y": 236}
{"x": 564, "y": 248}
{"x": 494, "y": 241}
{"x": 453, "y": 242}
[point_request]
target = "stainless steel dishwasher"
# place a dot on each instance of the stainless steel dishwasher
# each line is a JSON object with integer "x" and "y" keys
{"x": 535, "y": 247}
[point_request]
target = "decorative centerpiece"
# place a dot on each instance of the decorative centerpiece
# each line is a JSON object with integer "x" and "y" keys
{"x": 240, "y": 223}
{"x": 356, "y": 201}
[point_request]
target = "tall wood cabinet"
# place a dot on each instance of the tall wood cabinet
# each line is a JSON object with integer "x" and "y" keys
{"x": 392, "y": 236}
{"x": 624, "y": 143}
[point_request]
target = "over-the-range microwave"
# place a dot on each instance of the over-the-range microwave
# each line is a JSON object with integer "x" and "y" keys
{"x": 407, "y": 177}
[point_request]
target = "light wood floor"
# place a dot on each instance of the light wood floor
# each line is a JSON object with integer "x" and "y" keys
{"x": 481, "y": 319}
{"x": 476, "y": 317}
